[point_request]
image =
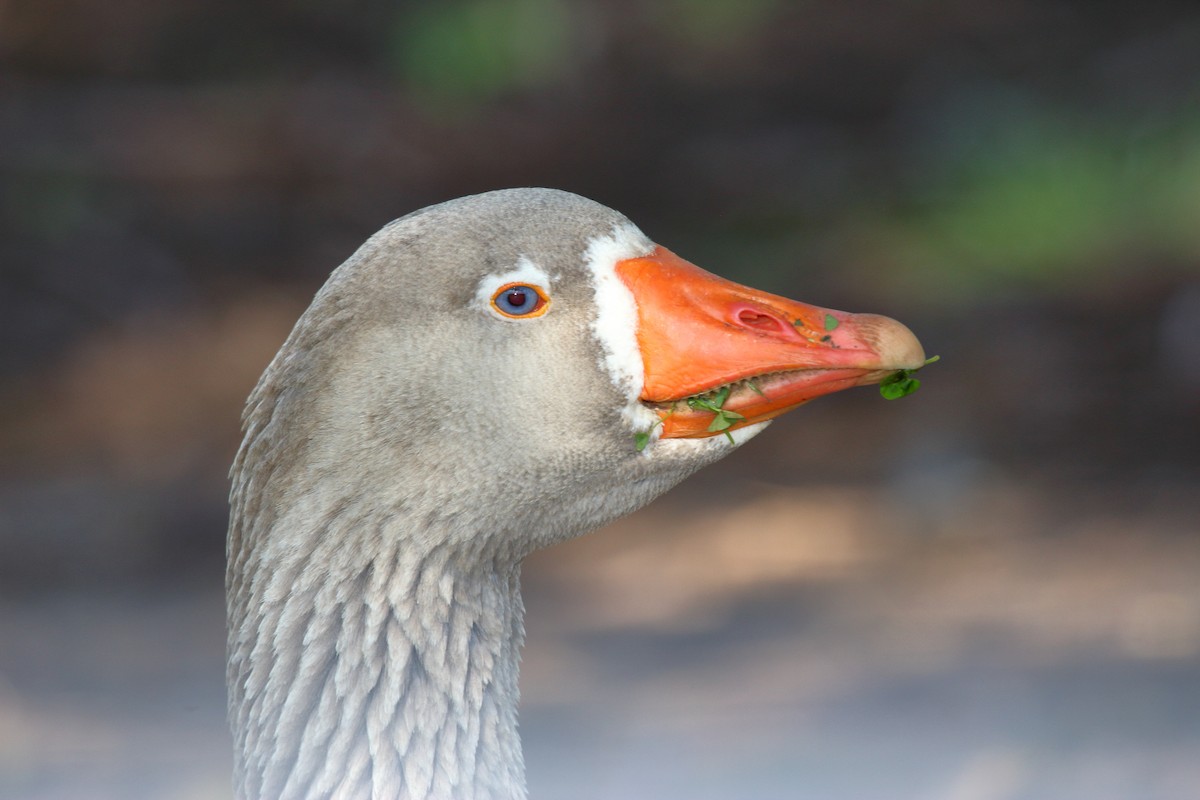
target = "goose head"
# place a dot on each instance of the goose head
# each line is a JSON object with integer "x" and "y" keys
{"x": 482, "y": 378}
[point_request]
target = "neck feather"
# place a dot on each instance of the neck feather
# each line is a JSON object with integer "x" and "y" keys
{"x": 389, "y": 675}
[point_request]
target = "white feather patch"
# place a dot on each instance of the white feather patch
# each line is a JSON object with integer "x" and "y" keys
{"x": 525, "y": 272}
{"x": 615, "y": 326}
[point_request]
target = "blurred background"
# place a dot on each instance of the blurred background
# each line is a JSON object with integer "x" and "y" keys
{"x": 986, "y": 591}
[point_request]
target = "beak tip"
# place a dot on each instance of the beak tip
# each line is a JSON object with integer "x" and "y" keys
{"x": 896, "y": 345}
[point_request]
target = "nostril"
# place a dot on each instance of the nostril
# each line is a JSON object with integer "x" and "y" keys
{"x": 752, "y": 318}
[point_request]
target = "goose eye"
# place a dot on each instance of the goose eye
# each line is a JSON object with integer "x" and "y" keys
{"x": 520, "y": 300}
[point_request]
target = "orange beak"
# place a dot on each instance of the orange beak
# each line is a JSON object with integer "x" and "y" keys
{"x": 699, "y": 333}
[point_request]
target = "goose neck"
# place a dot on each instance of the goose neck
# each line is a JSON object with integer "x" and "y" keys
{"x": 395, "y": 677}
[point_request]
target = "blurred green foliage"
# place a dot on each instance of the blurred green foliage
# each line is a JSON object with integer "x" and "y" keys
{"x": 714, "y": 24}
{"x": 456, "y": 54}
{"x": 1038, "y": 196}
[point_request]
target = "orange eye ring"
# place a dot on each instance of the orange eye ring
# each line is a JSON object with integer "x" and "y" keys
{"x": 520, "y": 301}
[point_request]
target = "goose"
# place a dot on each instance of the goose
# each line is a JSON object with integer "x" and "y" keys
{"x": 482, "y": 378}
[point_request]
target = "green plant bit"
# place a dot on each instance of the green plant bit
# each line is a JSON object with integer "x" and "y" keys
{"x": 722, "y": 419}
{"x": 831, "y": 322}
{"x": 901, "y": 383}
{"x": 642, "y": 438}
{"x": 754, "y": 387}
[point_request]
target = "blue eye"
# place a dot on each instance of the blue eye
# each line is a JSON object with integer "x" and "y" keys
{"x": 519, "y": 300}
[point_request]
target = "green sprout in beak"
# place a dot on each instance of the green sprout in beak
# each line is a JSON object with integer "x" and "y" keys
{"x": 901, "y": 383}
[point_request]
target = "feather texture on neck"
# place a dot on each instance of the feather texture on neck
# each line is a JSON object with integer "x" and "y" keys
{"x": 379, "y": 671}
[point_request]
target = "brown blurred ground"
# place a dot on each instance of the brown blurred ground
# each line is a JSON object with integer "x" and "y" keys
{"x": 987, "y": 591}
